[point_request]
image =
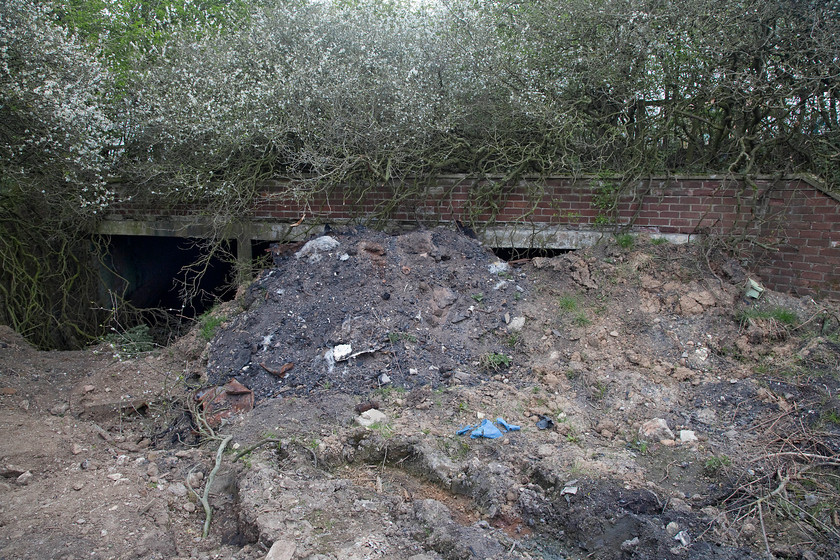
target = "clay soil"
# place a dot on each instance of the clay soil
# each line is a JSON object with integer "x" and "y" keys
{"x": 107, "y": 454}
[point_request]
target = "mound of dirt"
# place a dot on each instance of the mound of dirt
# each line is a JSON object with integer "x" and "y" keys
{"x": 351, "y": 310}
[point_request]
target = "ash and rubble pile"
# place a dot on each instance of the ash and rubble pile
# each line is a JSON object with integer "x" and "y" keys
{"x": 359, "y": 309}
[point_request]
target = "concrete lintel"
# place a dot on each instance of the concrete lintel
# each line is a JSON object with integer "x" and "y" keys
{"x": 557, "y": 237}
{"x": 156, "y": 228}
{"x": 509, "y": 235}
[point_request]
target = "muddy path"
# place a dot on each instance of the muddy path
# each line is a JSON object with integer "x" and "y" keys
{"x": 644, "y": 406}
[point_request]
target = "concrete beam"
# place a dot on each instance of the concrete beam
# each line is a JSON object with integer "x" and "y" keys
{"x": 523, "y": 235}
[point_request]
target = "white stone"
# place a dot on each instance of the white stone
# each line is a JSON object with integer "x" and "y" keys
{"x": 516, "y": 324}
{"x": 178, "y": 489}
{"x": 342, "y": 352}
{"x": 672, "y": 528}
{"x": 687, "y": 436}
{"x": 281, "y": 550}
{"x": 315, "y": 247}
{"x": 498, "y": 267}
{"x": 370, "y": 417}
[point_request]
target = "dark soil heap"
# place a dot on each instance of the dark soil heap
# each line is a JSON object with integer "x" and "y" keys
{"x": 414, "y": 307}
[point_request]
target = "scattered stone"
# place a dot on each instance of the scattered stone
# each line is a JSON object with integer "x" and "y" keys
{"x": 545, "y": 450}
{"x": 89, "y": 388}
{"x": 60, "y": 409}
{"x": 342, "y": 352}
{"x": 384, "y": 379}
{"x": 189, "y": 507}
{"x": 461, "y": 377}
{"x": 11, "y": 471}
{"x": 655, "y": 430}
{"x": 75, "y": 449}
{"x": 78, "y": 486}
{"x": 672, "y": 528}
{"x": 115, "y": 476}
{"x": 630, "y": 544}
{"x": 688, "y": 436}
{"x": 24, "y": 479}
{"x": 370, "y": 417}
{"x": 313, "y": 249}
{"x": 178, "y": 489}
{"x": 281, "y": 550}
{"x": 516, "y": 324}
{"x": 683, "y": 538}
{"x": 194, "y": 479}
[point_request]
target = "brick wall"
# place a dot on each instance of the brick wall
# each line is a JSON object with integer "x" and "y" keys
{"x": 790, "y": 228}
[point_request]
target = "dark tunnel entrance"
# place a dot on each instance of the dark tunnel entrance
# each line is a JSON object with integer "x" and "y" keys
{"x": 145, "y": 271}
{"x": 509, "y": 254}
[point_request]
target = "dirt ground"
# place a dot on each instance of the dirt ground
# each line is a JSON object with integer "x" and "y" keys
{"x": 662, "y": 413}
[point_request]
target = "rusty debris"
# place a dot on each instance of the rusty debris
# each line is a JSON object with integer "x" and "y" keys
{"x": 279, "y": 372}
{"x": 365, "y": 406}
{"x": 221, "y": 402}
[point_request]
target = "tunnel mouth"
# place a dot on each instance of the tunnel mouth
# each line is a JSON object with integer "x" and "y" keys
{"x": 513, "y": 254}
{"x": 154, "y": 280}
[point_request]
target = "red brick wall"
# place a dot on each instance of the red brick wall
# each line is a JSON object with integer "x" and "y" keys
{"x": 790, "y": 228}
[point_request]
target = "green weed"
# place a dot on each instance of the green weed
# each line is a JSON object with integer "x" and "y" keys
{"x": 132, "y": 342}
{"x": 600, "y": 391}
{"x": 495, "y": 361}
{"x": 568, "y": 303}
{"x": 394, "y": 337}
{"x": 384, "y": 428}
{"x": 624, "y": 240}
{"x": 830, "y": 417}
{"x": 581, "y": 320}
{"x": 784, "y": 316}
{"x": 208, "y": 323}
{"x": 715, "y": 464}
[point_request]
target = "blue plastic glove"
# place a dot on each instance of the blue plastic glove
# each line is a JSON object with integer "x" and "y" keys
{"x": 486, "y": 430}
{"x": 506, "y": 426}
{"x": 464, "y": 430}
